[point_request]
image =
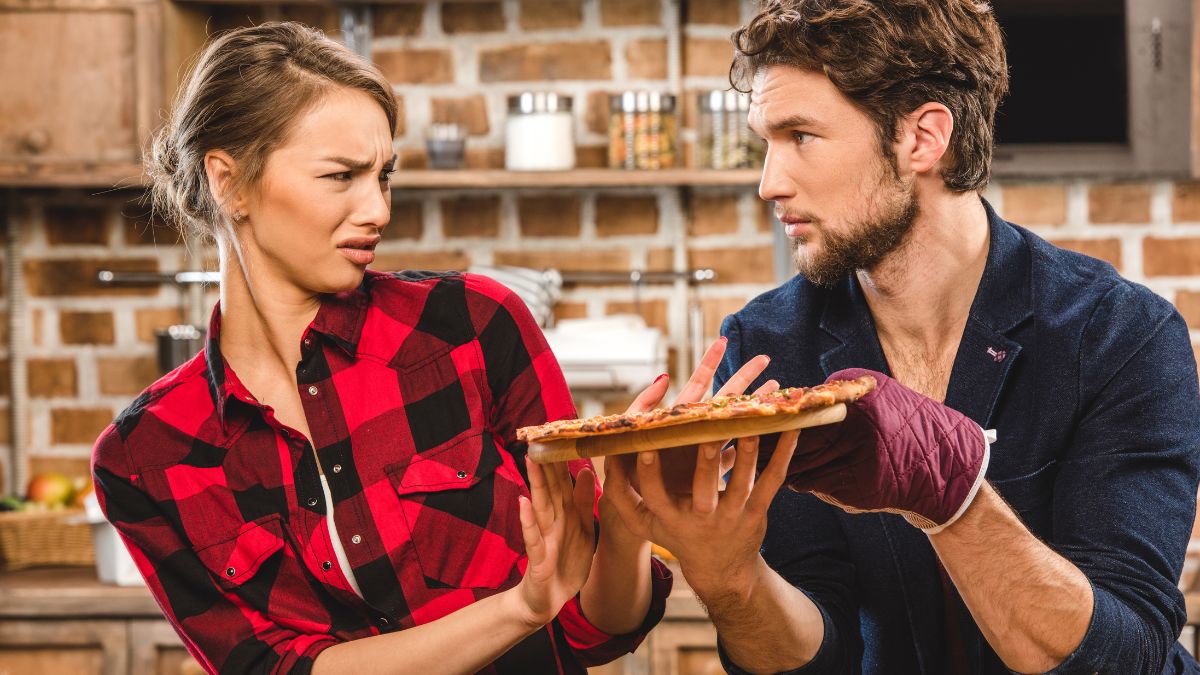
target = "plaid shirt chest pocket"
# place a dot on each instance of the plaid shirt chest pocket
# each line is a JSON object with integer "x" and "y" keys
{"x": 460, "y": 507}
{"x": 249, "y": 561}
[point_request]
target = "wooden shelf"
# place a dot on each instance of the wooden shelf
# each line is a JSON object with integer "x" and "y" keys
{"x": 577, "y": 178}
{"x": 122, "y": 176}
{"x": 329, "y": 3}
{"x": 425, "y": 179}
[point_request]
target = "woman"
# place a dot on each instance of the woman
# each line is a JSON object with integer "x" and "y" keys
{"x": 334, "y": 483}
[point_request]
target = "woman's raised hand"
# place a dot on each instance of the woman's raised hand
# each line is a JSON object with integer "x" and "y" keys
{"x": 558, "y": 524}
{"x": 680, "y": 474}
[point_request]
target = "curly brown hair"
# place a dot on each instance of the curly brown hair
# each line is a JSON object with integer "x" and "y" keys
{"x": 889, "y": 57}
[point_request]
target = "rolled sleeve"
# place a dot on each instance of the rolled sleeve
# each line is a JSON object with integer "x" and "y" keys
{"x": 827, "y": 659}
{"x": 593, "y": 646}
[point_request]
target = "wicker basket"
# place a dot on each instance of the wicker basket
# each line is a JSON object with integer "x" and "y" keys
{"x": 45, "y": 538}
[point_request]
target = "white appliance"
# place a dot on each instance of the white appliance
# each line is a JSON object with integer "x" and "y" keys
{"x": 614, "y": 353}
{"x": 114, "y": 565}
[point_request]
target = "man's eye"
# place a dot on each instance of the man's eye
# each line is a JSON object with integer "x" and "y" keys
{"x": 801, "y": 137}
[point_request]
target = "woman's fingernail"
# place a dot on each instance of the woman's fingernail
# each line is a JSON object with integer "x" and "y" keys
{"x": 646, "y": 457}
{"x": 724, "y": 339}
{"x": 659, "y": 378}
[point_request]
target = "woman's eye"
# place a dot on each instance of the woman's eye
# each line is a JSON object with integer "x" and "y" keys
{"x": 386, "y": 175}
{"x": 342, "y": 176}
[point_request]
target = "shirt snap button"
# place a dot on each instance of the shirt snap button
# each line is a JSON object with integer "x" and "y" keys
{"x": 307, "y": 342}
{"x": 357, "y": 539}
{"x": 462, "y": 474}
{"x": 326, "y": 565}
{"x": 337, "y": 468}
{"x": 312, "y": 391}
{"x": 230, "y": 572}
{"x": 312, "y": 501}
{"x": 383, "y": 620}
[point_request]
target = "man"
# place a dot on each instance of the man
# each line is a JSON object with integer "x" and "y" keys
{"x": 891, "y": 553}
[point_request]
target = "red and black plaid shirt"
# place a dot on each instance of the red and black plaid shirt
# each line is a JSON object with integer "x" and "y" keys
{"x": 413, "y": 387}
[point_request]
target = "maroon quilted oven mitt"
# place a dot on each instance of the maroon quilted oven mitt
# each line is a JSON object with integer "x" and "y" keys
{"x": 896, "y": 451}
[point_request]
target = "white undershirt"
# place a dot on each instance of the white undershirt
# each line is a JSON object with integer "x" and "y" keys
{"x": 338, "y": 550}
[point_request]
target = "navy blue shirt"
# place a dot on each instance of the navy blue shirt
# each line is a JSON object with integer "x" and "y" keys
{"x": 1090, "y": 382}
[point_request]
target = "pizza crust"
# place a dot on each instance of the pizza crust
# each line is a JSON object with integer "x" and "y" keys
{"x": 781, "y": 402}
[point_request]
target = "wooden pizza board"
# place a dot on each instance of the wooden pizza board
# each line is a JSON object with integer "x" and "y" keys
{"x": 691, "y": 433}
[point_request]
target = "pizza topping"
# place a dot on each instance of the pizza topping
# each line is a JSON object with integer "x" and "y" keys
{"x": 781, "y": 401}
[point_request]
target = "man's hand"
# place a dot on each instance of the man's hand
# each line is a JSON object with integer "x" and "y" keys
{"x": 681, "y": 462}
{"x": 714, "y": 534}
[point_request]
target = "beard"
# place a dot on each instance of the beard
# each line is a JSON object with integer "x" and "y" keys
{"x": 864, "y": 244}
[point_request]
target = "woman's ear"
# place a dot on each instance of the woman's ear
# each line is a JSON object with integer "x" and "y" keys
{"x": 220, "y": 168}
{"x": 929, "y": 128}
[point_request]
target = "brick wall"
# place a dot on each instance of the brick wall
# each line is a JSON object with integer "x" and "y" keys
{"x": 458, "y": 62}
{"x": 92, "y": 348}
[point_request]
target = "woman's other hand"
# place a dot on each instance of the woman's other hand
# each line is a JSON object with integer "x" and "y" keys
{"x": 680, "y": 463}
{"x": 558, "y": 524}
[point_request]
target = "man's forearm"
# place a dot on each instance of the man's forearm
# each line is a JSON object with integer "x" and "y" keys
{"x": 764, "y": 623}
{"x": 1032, "y": 605}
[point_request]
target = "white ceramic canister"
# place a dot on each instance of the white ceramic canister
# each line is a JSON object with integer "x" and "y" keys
{"x": 539, "y": 134}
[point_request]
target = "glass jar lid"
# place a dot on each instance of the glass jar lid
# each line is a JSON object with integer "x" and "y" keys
{"x": 530, "y": 102}
{"x": 724, "y": 100}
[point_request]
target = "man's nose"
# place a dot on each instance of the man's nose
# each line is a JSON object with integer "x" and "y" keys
{"x": 776, "y": 183}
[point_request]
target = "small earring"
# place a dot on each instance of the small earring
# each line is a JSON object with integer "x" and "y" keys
{"x": 238, "y": 216}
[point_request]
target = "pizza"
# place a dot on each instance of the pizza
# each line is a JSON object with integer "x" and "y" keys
{"x": 780, "y": 402}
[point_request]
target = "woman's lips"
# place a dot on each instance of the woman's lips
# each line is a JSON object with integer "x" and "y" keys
{"x": 358, "y": 256}
{"x": 359, "y": 250}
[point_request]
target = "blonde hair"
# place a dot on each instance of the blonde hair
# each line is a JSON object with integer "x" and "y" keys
{"x": 241, "y": 96}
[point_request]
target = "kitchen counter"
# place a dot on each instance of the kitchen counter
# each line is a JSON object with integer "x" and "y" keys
{"x": 70, "y": 592}
{"x": 64, "y": 620}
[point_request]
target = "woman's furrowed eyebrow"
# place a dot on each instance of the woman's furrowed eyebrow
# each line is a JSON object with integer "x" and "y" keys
{"x": 357, "y": 164}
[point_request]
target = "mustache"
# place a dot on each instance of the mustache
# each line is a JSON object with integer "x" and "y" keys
{"x": 783, "y": 215}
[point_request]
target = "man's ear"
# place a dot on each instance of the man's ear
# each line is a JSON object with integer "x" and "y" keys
{"x": 929, "y": 128}
{"x": 220, "y": 168}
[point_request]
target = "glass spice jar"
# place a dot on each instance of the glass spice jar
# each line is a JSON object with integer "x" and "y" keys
{"x": 725, "y": 138}
{"x": 622, "y": 124}
{"x": 643, "y": 130}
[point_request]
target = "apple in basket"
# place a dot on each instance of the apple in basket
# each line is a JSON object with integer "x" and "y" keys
{"x": 50, "y": 488}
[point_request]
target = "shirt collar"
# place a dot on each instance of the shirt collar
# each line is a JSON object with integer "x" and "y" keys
{"x": 340, "y": 320}
{"x": 1005, "y": 295}
{"x": 1003, "y": 300}
{"x": 342, "y": 315}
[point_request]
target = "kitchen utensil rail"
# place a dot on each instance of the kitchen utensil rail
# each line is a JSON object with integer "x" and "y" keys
{"x": 639, "y": 277}
{"x": 635, "y": 277}
{"x": 111, "y": 278}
